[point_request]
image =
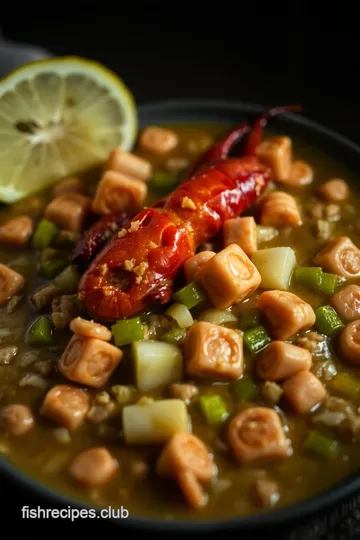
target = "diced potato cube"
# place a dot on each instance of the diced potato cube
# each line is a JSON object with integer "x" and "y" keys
{"x": 68, "y": 211}
{"x": 277, "y": 154}
{"x": 155, "y": 422}
{"x": 229, "y": 277}
{"x": 11, "y": 282}
{"x": 89, "y": 361}
{"x": 213, "y": 351}
{"x": 157, "y": 364}
{"x": 275, "y": 266}
{"x": 66, "y": 405}
{"x": 340, "y": 256}
{"x": 117, "y": 191}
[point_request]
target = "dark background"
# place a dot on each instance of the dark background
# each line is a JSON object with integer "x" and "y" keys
{"x": 261, "y": 52}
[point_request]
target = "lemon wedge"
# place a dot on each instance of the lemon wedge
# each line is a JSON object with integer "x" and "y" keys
{"x": 59, "y": 117}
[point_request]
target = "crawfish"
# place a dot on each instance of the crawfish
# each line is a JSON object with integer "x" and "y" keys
{"x": 137, "y": 267}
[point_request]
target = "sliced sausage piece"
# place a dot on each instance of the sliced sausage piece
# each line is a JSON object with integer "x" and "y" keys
{"x": 280, "y": 360}
{"x": 89, "y": 361}
{"x": 72, "y": 184}
{"x": 241, "y": 231}
{"x": 303, "y": 391}
{"x": 192, "y": 489}
{"x": 11, "y": 283}
{"x": 195, "y": 263}
{"x": 276, "y": 153}
{"x": 257, "y": 434}
{"x": 90, "y": 329}
{"x": 213, "y": 351}
{"x": 349, "y": 342}
{"x": 340, "y": 256}
{"x": 129, "y": 164}
{"x": 117, "y": 192}
{"x": 94, "y": 467}
{"x": 346, "y": 303}
{"x": 18, "y": 419}
{"x": 157, "y": 140}
{"x": 69, "y": 211}
{"x": 66, "y": 405}
{"x": 335, "y": 190}
{"x": 229, "y": 277}
{"x": 16, "y": 231}
{"x": 285, "y": 313}
{"x": 301, "y": 174}
{"x": 185, "y": 451}
{"x": 279, "y": 209}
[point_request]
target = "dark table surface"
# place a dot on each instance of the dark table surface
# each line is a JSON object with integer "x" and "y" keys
{"x": 265, "y": 53}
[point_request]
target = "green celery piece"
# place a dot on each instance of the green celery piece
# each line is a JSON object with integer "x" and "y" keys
{"x": 41, "y": 332}
{"x": 191, "y": 295}
{"x": 328, "y": 321}
{"x": 321, "y": 445}
{"x": 44, "y": 234}
{"x": 213, "y": 408}
{"x": 256, "y": 339}
{"x": 127, "y": 331}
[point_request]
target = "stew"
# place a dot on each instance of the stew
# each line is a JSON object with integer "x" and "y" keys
{"x": 183, "y": 353}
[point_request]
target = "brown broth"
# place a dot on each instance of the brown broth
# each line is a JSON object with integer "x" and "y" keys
{"x": 39, "y": 453}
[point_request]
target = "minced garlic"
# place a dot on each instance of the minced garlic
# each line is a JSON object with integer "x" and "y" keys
{"x": 188, "y": 203}
{"x": 141, "y": 268}
{"x": 134, "y": 226}
{"x": 122, "y": 233}
{"x": 153, "y": 245}
{"x": 129, "y": 264}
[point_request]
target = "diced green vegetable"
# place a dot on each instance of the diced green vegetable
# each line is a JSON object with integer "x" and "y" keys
{"x": 49, "y": 268}
{"x": 127, "y": 331}
{"x": 68, "y": 280}
{"x": 213, "y": 408}
{"x": 44, "y": 234}
{"x": 217, "y": 316}
{"x": 245, "y": 389}
{"x": 40, "y": 332}
{"x": 275, "y": 266}
{"x": 346, "y": 384}
{"x": 318, "y": 281}
{"x": 327, "y": 320}
{"x": 181, "y": 315}
{"x": 249, "y": 319}
{"x": 330, "y": 283}
{"x": 321, "y": 445}
{"x": 191, "y": 295}
{"x": 175, "y": 336}
{"x": 163, "y": 181}
{"x": 157, "y": 364}
{"x": 256, "y": 339}
{"x": 154, "y": 422}
{"x": 310, "y": 276}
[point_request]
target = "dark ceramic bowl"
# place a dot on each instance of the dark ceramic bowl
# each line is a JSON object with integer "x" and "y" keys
{"x": 222, "y": 112}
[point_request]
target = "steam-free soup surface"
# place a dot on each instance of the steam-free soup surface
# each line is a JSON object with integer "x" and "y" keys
{"x": 28, "y": 371}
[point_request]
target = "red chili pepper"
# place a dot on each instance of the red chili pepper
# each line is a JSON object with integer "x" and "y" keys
{"x": 138, "y": 266}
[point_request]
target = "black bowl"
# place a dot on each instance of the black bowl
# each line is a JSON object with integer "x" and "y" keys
{"x": 299, "y": 514}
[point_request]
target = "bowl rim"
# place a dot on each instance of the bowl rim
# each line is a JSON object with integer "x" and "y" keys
{"x": 307, "y": 508}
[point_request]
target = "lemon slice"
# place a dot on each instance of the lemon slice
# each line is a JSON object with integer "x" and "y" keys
{"x": 59, "y": 117}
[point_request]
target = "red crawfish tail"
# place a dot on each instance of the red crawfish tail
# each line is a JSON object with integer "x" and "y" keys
{"x": 136, "y": 267}
{"x": 96, "y": 237}
{"x": 256, "y": 133}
